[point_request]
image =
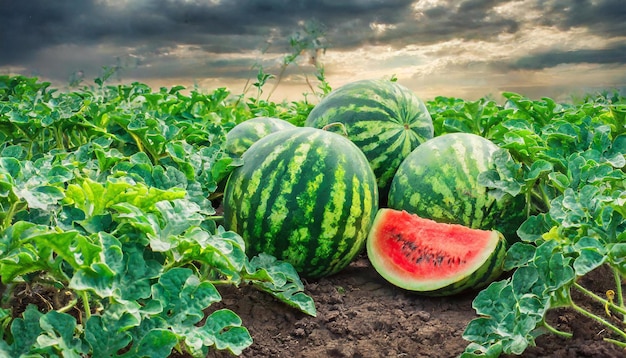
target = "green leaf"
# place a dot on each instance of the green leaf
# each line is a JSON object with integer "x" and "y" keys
{"x": 477, "y": 350}
{"x": 105, "y": 340}
{"x": 10, "y": 166}
{"x": 135, "y": 281}
{"x": 557, "y": 275}
{"x": 94, "y": 198}
{"x": 97, "y": 223}
{"x": 222, "y": 254}
{"x": 281, "y": 280}
{"x": 26, "y": 248}
{"x": 100, "y": 276}
{"x": 534, "y": 227}
{"x": 511, "y": 313}
{"x": 537, "y": 169}
{"x": 526, "y": 280}
{"x": 109, "y": 332}
{"x": 559, "y": 180}
{"x": 58, "y": 330}
{"x": 481, "y": 330}
{"x": 588, "y": 260}
{"x": 184, "y": 297}
{"x": 41, "y": 197}
{"x": 157, "y": 343}
{"x": 223, "y": 329}
{"x": 495, "y": 301}
{"x": 5, "y": 349}
{"x": 505, "y": 178}
{"x": 223, "y": 167}
{"x": 5, "y": 320}
{"x": 177, "y": 216}
{"x": 97, "y": 278}
{"x": 519, "y": 254}
{"x": 25, "y": 331}
{"x": 617, "y": 256}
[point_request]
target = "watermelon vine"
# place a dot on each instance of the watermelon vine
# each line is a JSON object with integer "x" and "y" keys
{"x": 109, "y": 245}
{"x": 568, "y": 162}
{"x": 105, "y": 214}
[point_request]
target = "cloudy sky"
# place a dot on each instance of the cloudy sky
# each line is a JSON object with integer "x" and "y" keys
{"x": 467, "y": 49}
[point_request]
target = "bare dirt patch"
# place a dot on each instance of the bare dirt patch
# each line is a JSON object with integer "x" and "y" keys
{"x": 361, "y": 315}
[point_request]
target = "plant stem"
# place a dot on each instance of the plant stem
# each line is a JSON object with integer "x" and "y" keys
{"x": 69, "y": 306}
{"x": 58, "y": 135}
{"x": 8, "y": 219}
{"x": 538, "y": 198}
{"x": 223, "y": 282}
{"x": 557, "y": 331}
{"x": 138, "y": 143}
{"x": 601, "y": 320}
{"x": 618, "y": 292}
{"x": 278, "y": 78}
{"x": 621, "y": 310}
{"x": 337, "y": 124}
{"x": 616, "y": 342}
{"x": 528, "y": 203}
{"x": 85, "y": 297}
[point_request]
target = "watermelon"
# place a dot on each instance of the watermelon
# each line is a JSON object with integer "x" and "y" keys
{"x": 241, "y": 137}
{"x": 304, "y": 195}
{"x": 383, "y": 118}
{"x": 439, "y": 181}
{"x": 435, "y": 259}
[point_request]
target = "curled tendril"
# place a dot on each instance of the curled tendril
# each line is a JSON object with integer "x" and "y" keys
{"x": 610, "y": 295}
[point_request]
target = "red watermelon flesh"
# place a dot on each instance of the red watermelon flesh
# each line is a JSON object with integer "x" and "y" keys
{"x": 423, "y": 255}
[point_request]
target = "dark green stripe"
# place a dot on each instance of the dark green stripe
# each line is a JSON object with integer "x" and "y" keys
{"x": 300, "y": 216}
{"x": 278, "y": 199}
{"x": 319, "y": 265}
{"x": 447, "y": 183}
{"x": 375, "y": 113}
{"x": 305, "y": 205}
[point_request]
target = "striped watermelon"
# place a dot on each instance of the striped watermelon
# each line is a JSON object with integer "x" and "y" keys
{"x": 383, "y": 118}
{"x": 434, "y": 259}
{"x": 306, "y": 196}
{"x": 244, "y": 134}
{"x": 439, "y": 181}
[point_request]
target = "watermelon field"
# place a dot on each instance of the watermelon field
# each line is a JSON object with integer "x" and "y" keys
{"x": 180, "y": 222}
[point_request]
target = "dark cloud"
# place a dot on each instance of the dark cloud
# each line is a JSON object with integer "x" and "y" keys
{"x": 26, "y": 27}
{"x": 35, "y": 33}
{"x": 469, "y": 20}
{"x": 234, "y": 25}
{"x": 603, "y": 17}
{"x": 611, "y": 55}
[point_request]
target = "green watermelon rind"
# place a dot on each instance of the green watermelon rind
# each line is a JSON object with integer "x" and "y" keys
{"x": 305, "y": 196}
{"x": 383, "y": 118}
{"x": 246, "y": 133}
{"x": 439, "y": 181}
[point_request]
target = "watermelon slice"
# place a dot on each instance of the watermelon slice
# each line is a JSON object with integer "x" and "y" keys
{"x": 433, "y": 258}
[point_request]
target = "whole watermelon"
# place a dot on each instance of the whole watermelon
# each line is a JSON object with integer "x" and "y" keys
{"x": 439, "y": 181}
{"x": 304, "y": 195}
{"x": 383, "y": 118}
{"x": 244, "y": 134}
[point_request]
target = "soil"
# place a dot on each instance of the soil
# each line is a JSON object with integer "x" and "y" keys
{"x": 359, "y": 314}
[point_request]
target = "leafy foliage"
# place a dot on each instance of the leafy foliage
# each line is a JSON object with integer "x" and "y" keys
{"x": 108, "y": 220}
{"x": 569, "y": 162}
{"x": 107, "y": 204}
